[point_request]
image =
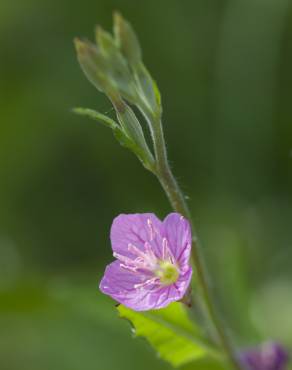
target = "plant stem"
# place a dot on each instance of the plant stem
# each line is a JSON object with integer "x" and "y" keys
{"x": 178, "y": 202}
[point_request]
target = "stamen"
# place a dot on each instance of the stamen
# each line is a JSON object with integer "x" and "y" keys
{"x": 153, "y": 230}
{"x": 126, "y": 267}
{"x": 148, "y": 258}
{"x": 146, "y": 283}
{"x": 133, "y": 249}
{"x": 162, "y": 271}
{"x": 128, "y": 262}
{"x": 122, "y": 258}
{"x": 149, "y": 251}
{"x": 150, "y": 225}
{"x": 166, "y": 252}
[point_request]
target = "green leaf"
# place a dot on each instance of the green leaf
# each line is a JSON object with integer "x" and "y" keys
{"x": 90, "y": 113}
{"x": 132, "y": 127}
{"x": 205, "y": 364}
{"x": 128, "y": 143}
{"x": 170, "y": 331}
{"x": 136, "y": 143}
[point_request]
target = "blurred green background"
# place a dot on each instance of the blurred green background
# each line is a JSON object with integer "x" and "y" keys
{"x": 224, "y": 71}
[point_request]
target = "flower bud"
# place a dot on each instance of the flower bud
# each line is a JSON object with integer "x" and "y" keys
{"x": 148, "y": 94}
{"x": 93, "y": 64}
{"x": 127, "y": 40}
{"x": 105, "y": 41}
{"x": 268, "y": 356}
{"x": 118, "y": 69}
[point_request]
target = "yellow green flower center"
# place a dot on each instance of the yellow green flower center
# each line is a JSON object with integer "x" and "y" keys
{"x": 167, "y": 273}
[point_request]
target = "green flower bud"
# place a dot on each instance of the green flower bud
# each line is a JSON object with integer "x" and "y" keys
{"x": 105, "y": 67}
{"x": 93, "y": 65}
{"x": 127, "y": 40}
{"x": 114, "y": 66}
{"x": 148, "y": 94}
{"x": 105, "y": 41}
{"x": 118, "y": 68}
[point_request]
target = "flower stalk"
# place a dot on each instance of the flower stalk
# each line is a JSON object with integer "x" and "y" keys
{"x": 179, "y": 204}
{"x": 114, "y": 66}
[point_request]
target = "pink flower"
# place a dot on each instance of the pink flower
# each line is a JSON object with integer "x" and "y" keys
{"x": 152, "y": 267}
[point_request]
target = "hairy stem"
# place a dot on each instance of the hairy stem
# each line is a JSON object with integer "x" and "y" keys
{"x": 178, "y": 202}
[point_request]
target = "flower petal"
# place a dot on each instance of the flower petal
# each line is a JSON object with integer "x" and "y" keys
{"x": 280, "y": 356}
{"x": 135, "y": 229}
{"x": 167, "y": 294}
{"x": 269, "y": 356}
{"x": 177, "y": 231}
{"x": 120, "y": 285}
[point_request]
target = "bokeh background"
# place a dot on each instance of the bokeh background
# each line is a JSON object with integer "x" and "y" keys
{"x": 224, "y": 71}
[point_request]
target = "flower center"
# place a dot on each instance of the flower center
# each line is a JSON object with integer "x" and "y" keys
{"x": 161, "y": 270}
{"x": 167, "y": 273}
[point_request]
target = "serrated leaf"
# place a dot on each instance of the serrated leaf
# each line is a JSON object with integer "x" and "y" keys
{"x": 170, "y": 331}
